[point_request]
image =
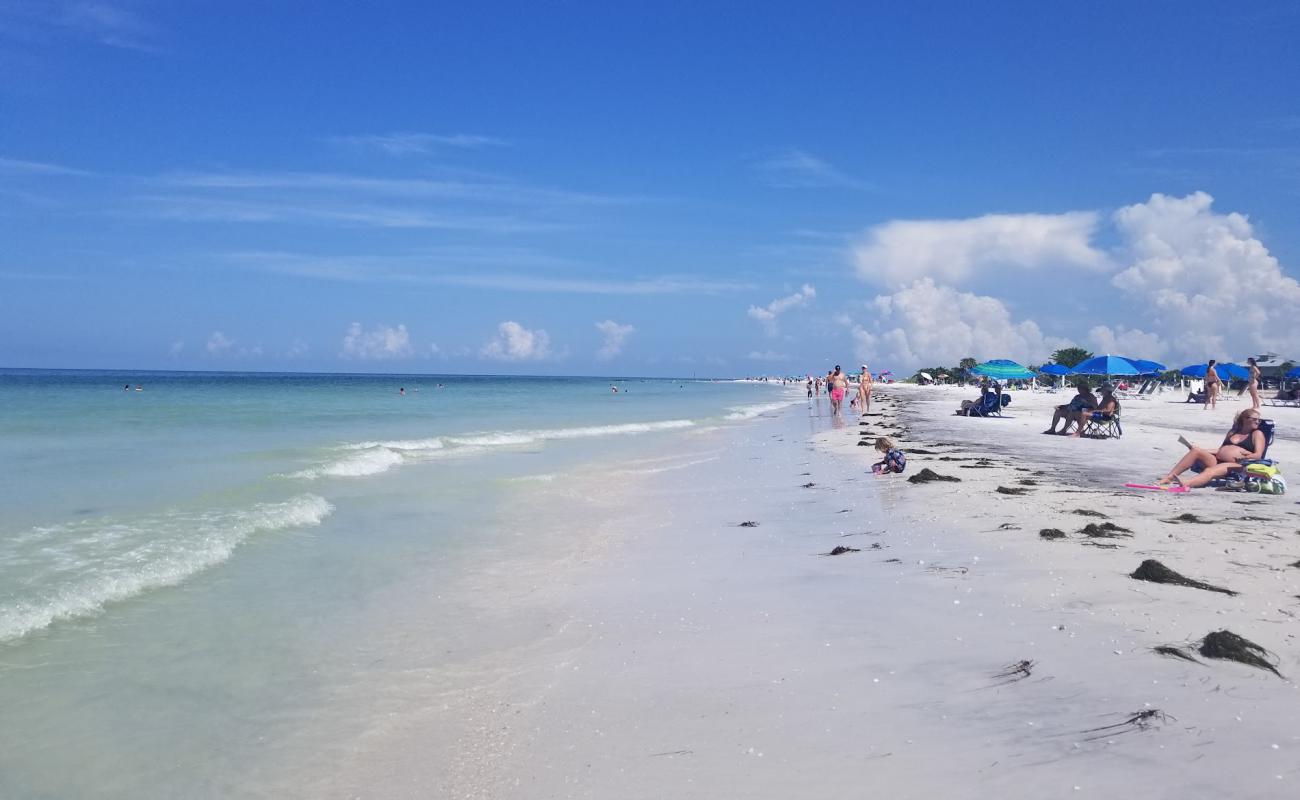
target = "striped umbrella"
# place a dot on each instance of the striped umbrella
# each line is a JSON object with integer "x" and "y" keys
{"x": 1002, "y": 369}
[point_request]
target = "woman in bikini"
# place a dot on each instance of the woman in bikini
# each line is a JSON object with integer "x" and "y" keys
{"x": 1243, "y": 443}
{"x": 864, "y": 391}
{"x": 1212, "y": 384}
{"x": 1253, "y": 385}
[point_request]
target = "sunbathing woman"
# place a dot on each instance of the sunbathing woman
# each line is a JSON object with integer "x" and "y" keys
{"x": 1244, "y": 442}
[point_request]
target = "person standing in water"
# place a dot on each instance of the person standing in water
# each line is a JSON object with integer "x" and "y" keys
{"x": 864, "y": 391}
{"x": 1253, "y": 385}
{"x": 1212, "y": 384}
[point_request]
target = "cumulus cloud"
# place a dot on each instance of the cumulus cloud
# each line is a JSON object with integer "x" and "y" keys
{"x": 614, "y": 336}
{"x": 1206, "y": 281}
{"x": 219, "y": 344}
{"x": 1124, "y": 341}
{"x": 925, "y": 323}
{"x": 514, "y": 342}
{"x": 380, "y": 344}
{"x": 768, "y": 314}
{"x": 898, "y": 252}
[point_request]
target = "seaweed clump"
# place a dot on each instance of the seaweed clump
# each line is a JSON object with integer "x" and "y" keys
{"x": 1176, "y": 652}
{"x": 928, "y": 475}
{"x": 1012, "y": 490}
{"x": 841, "y": 550}
{"x": 1106, "y": 530}
{"x": 1088, "y": 512}
{"x": 1052, "y": 533}
{"x": 1155, "y": 572}
{"x": 1188, "y": 517}
{"x": 749, "y": 523}
{"x": 1228, "y": 645}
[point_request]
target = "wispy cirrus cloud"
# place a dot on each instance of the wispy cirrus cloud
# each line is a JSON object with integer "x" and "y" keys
{"x": 796, "y": 169}
{"x": 427, "y": 269}
{"x": 14, "y": 166}
{"x": 409, "y": 143}
{"x": 112, "y": 24}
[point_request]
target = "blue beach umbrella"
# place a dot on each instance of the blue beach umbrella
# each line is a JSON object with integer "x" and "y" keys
{"x": 1002, "y": 369}
{"x": 1224, "y": 371}
{"x": 1054, "y": 369}
{"x": 1294, "y": 373}
{"x": 1234, "y": 371}
{"x": 1148, "y": 367}
{"x": 1107, "y": 365}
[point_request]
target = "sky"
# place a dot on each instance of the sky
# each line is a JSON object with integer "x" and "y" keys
{"x": 645, "y": 189}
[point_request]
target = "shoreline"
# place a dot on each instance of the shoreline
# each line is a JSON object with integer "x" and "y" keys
{"x": 694, "y": 657}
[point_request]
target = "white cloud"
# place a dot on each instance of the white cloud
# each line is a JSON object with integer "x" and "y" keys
{"x": 297, "y": 349}
{"x": 1206, "y": 282}
{"x": 1131, "y": 342}
{"x": 19, "y": 167}
{"x": 614, "y": 336}
{"x": 925, "y": 324}
{"x": 514, "y": 342}
{"x": 219, "y": 344}
{"x": 381, "y": 343}
{"x": 768, "y": 315}
{"x": 795, "y": 169}
{"x": 176, "y": 348}
{"x": 406, "y": 144}
{"x": 901, "y": 251}
{"x": 767, "y": 355}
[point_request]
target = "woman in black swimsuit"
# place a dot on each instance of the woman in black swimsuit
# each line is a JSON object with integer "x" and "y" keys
{"x": 1243, "y": 443}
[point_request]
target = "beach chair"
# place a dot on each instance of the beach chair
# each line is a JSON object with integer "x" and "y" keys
{"x": 1241, "y": 474}
{"x": 1103, "y": 426}
{"x": 1284, "y": 397}
{"x": 990, "y": 405}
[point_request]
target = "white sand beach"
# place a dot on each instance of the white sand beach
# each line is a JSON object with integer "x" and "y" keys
{"x": 670, "y": 651}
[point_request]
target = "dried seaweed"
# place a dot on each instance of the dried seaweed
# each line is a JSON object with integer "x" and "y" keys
{"x": 1052, "y": 533}
{"x": 1140, "y": 721}
{"x": 749, "y": 523}
{"x": 1155, "y": 572}
{"x": 1088, "y": 512}
{"x": 841, "y": 550}
{"x": 1176, "y": 652}
{"x": 1011, "y": 490}
{"x": 1105, "y": 530}
{"x": 928, "y": 475}
{"x": 1228, "y": 645}
{"x": 1189, "y": 518}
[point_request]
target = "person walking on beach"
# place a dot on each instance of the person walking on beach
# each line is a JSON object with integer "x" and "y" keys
{"x": 1212, "y": 384}
{"x": 864, "y": 391}
{"x": 810, "y": 383}
{"x": 1253, "y": 385}
{"x": 839, "y": 384}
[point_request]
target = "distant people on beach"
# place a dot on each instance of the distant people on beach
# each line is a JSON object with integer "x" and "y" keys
{"x": 810, "y": 387}
{"x": 1212, "y": 385}
{"x": 401, "y": 390}
{"x": 894, "y": 461}
{"x": 864, "y": 391}
{"x": 1253, "y": 385}
{"x": 1243, "y": 443}
{"x": 1083, "y": 403}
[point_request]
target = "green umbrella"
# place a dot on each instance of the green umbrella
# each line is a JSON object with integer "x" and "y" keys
{"x": 1002, "y": 369}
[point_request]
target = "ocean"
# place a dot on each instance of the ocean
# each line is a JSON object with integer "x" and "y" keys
{"x": 193, "y": 573}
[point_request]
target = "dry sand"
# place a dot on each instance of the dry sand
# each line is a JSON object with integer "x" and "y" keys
{"x": 676, "y": 653}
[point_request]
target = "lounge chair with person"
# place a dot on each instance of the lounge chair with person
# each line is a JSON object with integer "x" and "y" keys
{"x": 1102, "y": 422}
{"x": 1084, "y": 402}
{"x": 1247, "y": 442}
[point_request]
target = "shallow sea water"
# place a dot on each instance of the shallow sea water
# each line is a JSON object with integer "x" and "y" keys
{"x": 189, "y": 573}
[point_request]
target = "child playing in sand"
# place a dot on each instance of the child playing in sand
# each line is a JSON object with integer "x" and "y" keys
{"x": 894, "y": 460}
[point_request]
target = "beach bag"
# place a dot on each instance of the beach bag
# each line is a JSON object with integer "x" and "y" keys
{"x": 1262, "y": 470}
{"x": 1273, "y": 485}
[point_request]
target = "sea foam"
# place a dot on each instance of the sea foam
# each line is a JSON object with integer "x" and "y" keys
{"x": 374, "y": 457}
{"x": 76, "y": 569}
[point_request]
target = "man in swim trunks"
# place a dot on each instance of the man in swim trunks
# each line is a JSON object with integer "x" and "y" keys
{"x": 839, "y": 383}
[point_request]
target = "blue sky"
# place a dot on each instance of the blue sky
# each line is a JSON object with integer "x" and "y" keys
{"x": 644, "y": 188}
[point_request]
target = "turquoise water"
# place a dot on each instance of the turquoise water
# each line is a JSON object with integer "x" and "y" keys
{"x": 182, "y": 568}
